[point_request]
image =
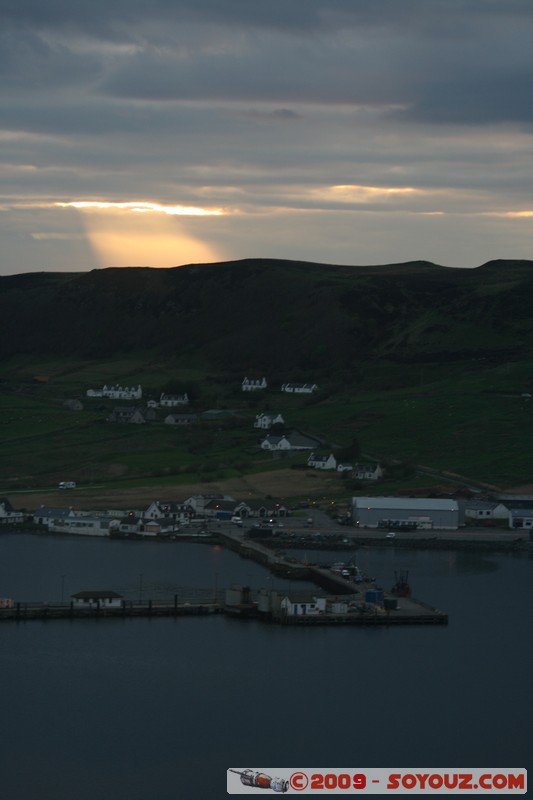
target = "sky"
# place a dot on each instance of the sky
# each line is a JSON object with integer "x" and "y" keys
{"x": 167, "y": 132}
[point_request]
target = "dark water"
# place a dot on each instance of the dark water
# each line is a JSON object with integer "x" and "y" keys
{"x": 158, "y": 709}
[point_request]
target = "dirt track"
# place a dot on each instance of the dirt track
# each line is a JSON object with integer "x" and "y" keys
{"x": 282, "y": 484}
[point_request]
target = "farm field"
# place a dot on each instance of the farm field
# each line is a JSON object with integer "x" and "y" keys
{"x": 474, "y": 422}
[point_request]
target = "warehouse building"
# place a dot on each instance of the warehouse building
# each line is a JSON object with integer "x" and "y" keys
{"x": 405, "y": 513}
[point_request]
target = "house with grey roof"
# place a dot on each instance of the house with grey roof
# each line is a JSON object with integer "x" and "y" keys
{"x": 299, "y": 388}
{"x": 317, "y": 461}
{"x": 367, "y": 472}
{"x": 289, "y": 441}
{"x": 256, "y": 385}
{"x": 406, "y": 513}
{"x": 173, "y": 400}
{"x": 181, "y": 419}
{"x": 169, "y": 509}
{"x": 8, "y": 515}
{"x": 97, "y": 598}
{"x": 44, "y": 514}
{"x": 265, "y": 421}
{"x": 485, "y": 511}
{"x": 127, "y": 414}
{"x": 521, "y": 518}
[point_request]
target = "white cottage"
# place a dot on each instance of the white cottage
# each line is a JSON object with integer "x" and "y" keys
{"x": 310, "y": 607}
{"x": 8, "y": 513}
{"x": 173, "y": 400}
{"x": 253, "y": 385}
{"x": 299, "y": 388}
{"x": 322, "y": 462}
{"x": 367, "y": 472}
{"x": 265, "y": 421}
{"x": 117, "y": 392}
{"x": 97, "y": 599}
{"x": 290, "y": 441}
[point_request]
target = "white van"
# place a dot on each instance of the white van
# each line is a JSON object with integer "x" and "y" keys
{"x": 237, "y": 520}
{"x": 67, "y": 485}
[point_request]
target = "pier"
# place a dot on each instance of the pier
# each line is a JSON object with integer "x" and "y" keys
{"x": 408, "y": 611}
{"x": 348, "y": 601}
{"x": 22, "y": 612}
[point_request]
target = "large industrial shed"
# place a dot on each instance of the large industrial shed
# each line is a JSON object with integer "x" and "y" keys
{"x": 408, "y": 513}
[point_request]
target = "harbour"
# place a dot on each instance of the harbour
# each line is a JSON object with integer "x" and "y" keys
{"x": 162, "y": 689}
{"x": 347, "y": 597}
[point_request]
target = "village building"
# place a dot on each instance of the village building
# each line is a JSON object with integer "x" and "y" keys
{"x": 367, "y": 472}
{"x": 483, "y": 511}
{"x": 127, "y": 414}
{"x": 322, "y": 461}
{"x": 173, "y": 400}
{"x": 299, "y": 388}
{"x": 253, "y": 385}
{"x": 46, "y": 514}
{"x": 306, "y": 607}
{"x": 8, "y": 515}
{"x": 289, "y": 441}
{"x": 181, "y": 419}
{"x": 117, "y": 392}
{"x": 97, "y": 598}
{"x": 175, "y": 511}
{"x": 73, "y": 405}
{"x": 81, "y": 525}
{"x": 267, "y": 509}
{"x": 521, "y": 518}
{"x": 266, "y": 421}
{"x": 198, "y": 502}
{"x": 407, "y": 513}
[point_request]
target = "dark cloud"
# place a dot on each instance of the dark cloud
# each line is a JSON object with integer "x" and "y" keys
{"x": 438, "y": 16}
{"x": 440, "y": 60}
{"x": 264, "y": 107}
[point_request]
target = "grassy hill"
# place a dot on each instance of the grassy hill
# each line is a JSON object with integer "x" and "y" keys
{"x": 420, "y": 363}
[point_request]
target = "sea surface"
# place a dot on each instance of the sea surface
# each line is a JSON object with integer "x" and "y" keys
{"x": 158, "y": 709}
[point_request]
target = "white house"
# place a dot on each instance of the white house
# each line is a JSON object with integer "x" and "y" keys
{"x": 482, "y": 510}
{"x": 198, "y": 502}
{"x": 8, "y": 515}
{"x": 265, "y": 421}
{"x": 299, "y": 388}
{"x": 312, "y": 606}
{"x": 97, "y": 599}
{"x": 173, "y": 400}
{"x": 168, "y": 509}
{"x": 367, "y": 472}
{"x": 521, "y": 518}
{"x": 253, "y": 385}
{"x": 81, "y": 525}
{"x": 46, "y": 514}
{"x": 290, "y": 441}
{"x": 322, "y": 462}
{"x": 117, "y": 392}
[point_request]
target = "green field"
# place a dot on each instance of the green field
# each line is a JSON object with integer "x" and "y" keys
{"x": 473, "y": 421}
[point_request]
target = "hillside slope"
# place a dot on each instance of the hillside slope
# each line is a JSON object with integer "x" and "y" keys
{"x": 267, "y": 315}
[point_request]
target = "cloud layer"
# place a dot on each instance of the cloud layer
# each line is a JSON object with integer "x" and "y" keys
{"x": 341, "y": 131}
